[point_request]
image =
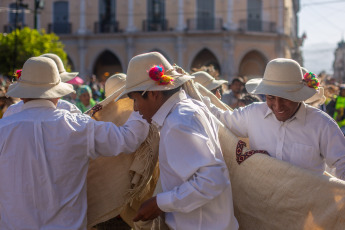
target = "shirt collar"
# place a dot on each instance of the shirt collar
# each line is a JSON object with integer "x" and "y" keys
{"x": 38, "y": 103}
{"x": 300, "y": 115}
{"x": 164, "y": 110}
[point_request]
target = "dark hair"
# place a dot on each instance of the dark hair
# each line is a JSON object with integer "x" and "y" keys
{"x": 166, "y": 93}
{"x": 220, "y": 88}
{"x": 237, "y": 79}
{"x": 250, "y": 98}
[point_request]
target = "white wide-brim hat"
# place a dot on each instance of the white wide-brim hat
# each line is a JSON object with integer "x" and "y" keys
{"x": 39, "y": 79}
{"x": 206, "y": 80}
{"x": 282, "y": 78}
{"x": 65, "y": 76}
{"x": 318, "y": 97}
{"x": 138, "y": 78}
{"x": 114, "y": 86}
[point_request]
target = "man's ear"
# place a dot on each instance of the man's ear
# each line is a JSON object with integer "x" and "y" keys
{"x": 156, "y": 95}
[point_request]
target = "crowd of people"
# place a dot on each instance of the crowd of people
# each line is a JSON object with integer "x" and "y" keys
{"x": 44, "y": 178}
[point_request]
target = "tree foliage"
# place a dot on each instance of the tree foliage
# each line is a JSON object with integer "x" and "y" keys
{"x": 30, "y": 43}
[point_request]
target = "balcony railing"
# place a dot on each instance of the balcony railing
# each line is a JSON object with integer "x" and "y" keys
{"x": 106, "y": 27}
{"x": 149, "y": 25}
{"x": 204, "y": 24}
{"x": 9, "y": 28}
{"x": 60, "y": 28}
{"x": 257, "y": 26}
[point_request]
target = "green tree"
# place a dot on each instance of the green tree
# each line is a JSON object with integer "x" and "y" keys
{"x": 30, "y": 43}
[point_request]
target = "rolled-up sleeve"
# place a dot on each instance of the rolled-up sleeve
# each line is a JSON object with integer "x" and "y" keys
{"x": 110, "y": 140}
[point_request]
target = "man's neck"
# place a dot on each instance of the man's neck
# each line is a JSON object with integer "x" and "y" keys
{"x": 54, "y": 100}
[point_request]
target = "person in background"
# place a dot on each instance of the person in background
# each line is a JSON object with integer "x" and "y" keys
{"x": 195, "y": 180}
{"x": 210, "y": 83}
{"x": 64, "y": 76}
{"x": 339, "y": 114}
{"x": 232, "y": 97}
{"x": 84, "y": 97}
{"x": 248, "y": 99}
{"x": 45, "y": 152}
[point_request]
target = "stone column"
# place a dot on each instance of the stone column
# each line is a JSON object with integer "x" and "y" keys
{"x": 82, "y": 54}
{"x": 180, "y": 24}
{"x": 179, "y": 48}
{"x": 228, "y": 60}
{"x": 130, "y": 50}
{"x": 130, "y": 26}
{"x": 82, "y": 27}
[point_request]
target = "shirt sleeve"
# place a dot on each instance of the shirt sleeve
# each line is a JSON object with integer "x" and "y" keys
{"x": 12, "y": 109}
{"x": 110, "y": 140}
{"x": 63, "y": 104}
{"x": 332, "y": 144}
{"x": 235, "y": 120}
{"x": 192, "y": 156}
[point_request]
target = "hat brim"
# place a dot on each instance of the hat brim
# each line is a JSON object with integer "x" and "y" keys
{"x": 22, "y": 90}
{"x": 151, "y": 85}
{"x": 215, "y": 84}
{"x": 66, "y": 76}
{"x": 318, "y": 98}
{"x": 297, "y": 92}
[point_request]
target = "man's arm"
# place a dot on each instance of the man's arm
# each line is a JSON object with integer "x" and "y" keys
{"x": 332, "y": 144}
{"x": 233, "y": 120}
{"x": 110, "y": 140}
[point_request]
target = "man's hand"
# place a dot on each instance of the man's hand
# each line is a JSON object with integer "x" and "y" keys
{"x": 148, "y": 210}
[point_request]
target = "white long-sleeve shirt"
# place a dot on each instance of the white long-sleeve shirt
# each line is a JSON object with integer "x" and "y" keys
{"x": 44, "y": 156}
{"x": 309, "y": 139}
{"x": 62, "y": 104}
{"x": 195, "y": 180}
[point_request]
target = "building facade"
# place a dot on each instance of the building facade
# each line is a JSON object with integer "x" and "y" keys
{"x": 339, "y": 63}
{"x": 237, "y": 37}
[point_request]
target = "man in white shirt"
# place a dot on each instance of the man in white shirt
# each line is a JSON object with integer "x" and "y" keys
{"x": 65, "y": 77}
{"x": 45, "y": 151}
{"x": 195, "y": 180}
{"x": 286, "y": 127}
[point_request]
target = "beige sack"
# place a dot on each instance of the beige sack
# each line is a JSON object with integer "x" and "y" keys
{"x": 272, "y": 194}
{"x": 114, "y": 182}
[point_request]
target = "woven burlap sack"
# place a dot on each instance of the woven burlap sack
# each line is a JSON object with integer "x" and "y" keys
{"x": 270, "y": 194}
{"x": 114, "y": 182}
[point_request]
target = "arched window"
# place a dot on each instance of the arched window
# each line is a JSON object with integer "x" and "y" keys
{"x": 106, "y": 65}
{"x": 252, "y": 65}
{"x": 205, "y": 58}
{"x": 155, "y": 16}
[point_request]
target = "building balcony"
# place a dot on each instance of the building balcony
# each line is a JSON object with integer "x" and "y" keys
{"x": 149, "y": 25}
{"x": 204, "y": 24}
{"x": 60, "y": 28}
{"x": 106, "y": 27}
{"x": 257, "y": 26}
{"x": 10, "y": 27}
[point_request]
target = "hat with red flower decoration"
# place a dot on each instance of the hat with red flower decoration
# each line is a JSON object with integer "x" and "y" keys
{"x": 152, "y": 72}
{"x": 283, "y": 78}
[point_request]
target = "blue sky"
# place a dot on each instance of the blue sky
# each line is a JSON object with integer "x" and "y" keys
{"x": 324, "y": 23}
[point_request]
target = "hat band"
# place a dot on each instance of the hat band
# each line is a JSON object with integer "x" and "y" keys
{"x": 284, "y": 82}
{"x": 298, "y": 84}
{"x": 38, "y": 83}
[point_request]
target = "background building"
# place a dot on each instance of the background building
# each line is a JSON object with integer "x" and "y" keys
{"x": 238, "y": 37}
{"x": 339, "y": 63}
